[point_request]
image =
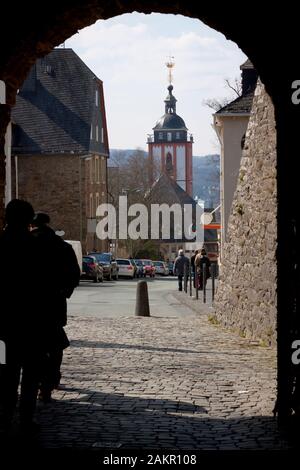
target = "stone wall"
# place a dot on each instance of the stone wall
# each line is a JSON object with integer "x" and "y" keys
{"x": 246, "y": 295}
{"x": 52, "y": 184}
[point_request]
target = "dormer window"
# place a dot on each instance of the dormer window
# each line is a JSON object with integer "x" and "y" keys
{"x": 169, "y": 136}
{"x": 177, "y": 135}
{"x": 160, "y": 135}
{"x": 97, "y": 133}
{"x": 97, "y": 97}
{"x": 91, "y": 136}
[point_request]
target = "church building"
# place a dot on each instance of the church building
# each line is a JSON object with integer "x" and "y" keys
{"x": 171, "y": 146}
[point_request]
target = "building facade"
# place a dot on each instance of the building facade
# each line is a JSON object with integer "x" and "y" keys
{"x": 230, "y": 124}
{"x": 60, "y": 145}
{"x": 171, "y": 147}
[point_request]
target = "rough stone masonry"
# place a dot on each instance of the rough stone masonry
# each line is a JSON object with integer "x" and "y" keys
{"x": 246, "y": 296}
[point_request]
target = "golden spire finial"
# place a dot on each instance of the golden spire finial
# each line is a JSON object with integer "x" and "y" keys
{"x": 170, "y": 65}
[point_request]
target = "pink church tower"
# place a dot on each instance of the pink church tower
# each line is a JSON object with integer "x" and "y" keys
{"x": 170, "y": 147}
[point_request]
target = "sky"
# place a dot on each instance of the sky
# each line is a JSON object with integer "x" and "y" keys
{"x": 128, "y": 53}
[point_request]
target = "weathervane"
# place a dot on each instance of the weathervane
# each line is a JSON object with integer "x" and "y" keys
{"x": 170, "y": 65}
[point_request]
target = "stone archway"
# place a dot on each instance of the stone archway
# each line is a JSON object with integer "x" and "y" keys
{"x": 33, "y": 33}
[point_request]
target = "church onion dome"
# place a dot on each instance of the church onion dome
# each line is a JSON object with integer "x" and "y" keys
{"x": 170, "y": 121}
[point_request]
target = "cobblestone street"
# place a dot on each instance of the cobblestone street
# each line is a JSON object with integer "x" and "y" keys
{"x": 161, "y": 382}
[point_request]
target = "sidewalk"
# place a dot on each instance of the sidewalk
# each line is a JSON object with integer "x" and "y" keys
{"x": 137, "y": 382}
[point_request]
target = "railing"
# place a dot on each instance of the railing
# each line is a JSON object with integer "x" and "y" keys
{"x": 193, "y": 282}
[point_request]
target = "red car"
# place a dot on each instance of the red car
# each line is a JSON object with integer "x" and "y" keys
{"x": 148, "y": 267}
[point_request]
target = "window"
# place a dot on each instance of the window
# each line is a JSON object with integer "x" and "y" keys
{"x": 91, "y": 169}
{"x": 97, "y": 97}
{"x": 97, "y": 200}
{"x": 97, "y": 170}
{"x": 177, "y": 135}
{"x": 169, "y": 136}
{"x": 91, "y": 206}
{"x": 160, "y": 135}
{"x": 97, "y": 133}
{"x": 102, "y": 135}
{"x": 169, "y": 163}
{"x": 91, "y": 136}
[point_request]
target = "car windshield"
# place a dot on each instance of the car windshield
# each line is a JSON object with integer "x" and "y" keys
{"x": 147, "y": 262}
{"x": 158, "y": 263}
{"x": 102, "y": 257}
{"x": 123, "y": 261}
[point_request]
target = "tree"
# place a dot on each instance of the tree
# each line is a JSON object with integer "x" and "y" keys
{"x": 218, "y": 103}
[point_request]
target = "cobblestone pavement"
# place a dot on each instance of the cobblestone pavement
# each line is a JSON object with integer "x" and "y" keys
{"x": 135, "y": 382}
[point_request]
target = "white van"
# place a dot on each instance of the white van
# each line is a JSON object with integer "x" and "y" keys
{"x": 76, "y": 245}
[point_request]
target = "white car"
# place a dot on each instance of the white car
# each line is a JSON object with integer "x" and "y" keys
{"x": 161, "y": 268}
{"x": 126, "y": 267}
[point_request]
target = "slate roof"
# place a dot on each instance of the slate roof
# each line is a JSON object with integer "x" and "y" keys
{"x": 55, "y": 108}
{"x": 170, "y": 121}
{"x": 241, "y": 105}
{"x": 166, "y": 190}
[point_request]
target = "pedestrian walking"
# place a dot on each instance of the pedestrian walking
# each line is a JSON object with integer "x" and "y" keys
{"x": 21, "y": 327}
{"x": 202, "y": 262}
{"x": 181, "y": 267}
{"x": 62, "y": 261}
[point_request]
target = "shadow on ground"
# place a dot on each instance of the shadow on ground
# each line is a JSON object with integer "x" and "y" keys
{"x": 86, "y": 419}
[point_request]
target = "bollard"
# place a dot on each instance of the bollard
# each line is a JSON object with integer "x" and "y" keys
{"x": 191, "y": 281}
{"x": 204, "y": 282}
{"x": 142, "y": 308}
{"x": 213, "y": 273}
{"x": 196, "y": 283}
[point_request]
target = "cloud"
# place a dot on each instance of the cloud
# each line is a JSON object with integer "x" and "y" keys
{"x": 129, "y": 56}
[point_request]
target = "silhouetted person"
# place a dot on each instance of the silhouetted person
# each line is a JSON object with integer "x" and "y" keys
{"x": 181, "y": 267}
{"x": 21, "y": 327}
{"x": 62, "y": 266}
{"x": 202, "y": 264}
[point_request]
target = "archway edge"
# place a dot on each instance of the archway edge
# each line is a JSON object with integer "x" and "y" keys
{"x": 37, "y": 32}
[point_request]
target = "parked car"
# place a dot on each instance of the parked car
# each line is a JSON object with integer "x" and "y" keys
{"x": 126, "y": 267}
{"x": 161, "y": 268}
{"x": 139, "y": 267}
{"x": 108, "y": 263}
{"x": 149, "y": 269}
{"x": 91, "y": 269}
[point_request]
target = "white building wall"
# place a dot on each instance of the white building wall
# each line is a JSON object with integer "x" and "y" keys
{"x": 180, "y": 158}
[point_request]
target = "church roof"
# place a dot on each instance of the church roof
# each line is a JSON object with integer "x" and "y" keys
{"x": 170, "y": 121}
{"x": 166, "y": 190}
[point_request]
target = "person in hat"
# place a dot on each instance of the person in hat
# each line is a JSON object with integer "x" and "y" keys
{"x": 21, "y": 326}
{"x": 61, "y": 261}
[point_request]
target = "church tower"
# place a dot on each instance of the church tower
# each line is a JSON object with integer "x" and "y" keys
{"x": 171, "y": 147}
